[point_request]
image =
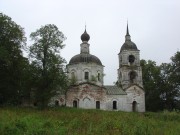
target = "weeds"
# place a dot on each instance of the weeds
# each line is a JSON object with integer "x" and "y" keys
{"x": 70, "y": 121}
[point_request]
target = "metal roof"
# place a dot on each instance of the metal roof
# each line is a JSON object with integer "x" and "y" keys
{"x": 114, "y": 90}
{"x": 85, "y": 58}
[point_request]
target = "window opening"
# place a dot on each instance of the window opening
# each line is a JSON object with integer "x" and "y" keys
{"x": 114, "y": 105}
{"x": 72, "y": 75}
{"x": 131, "y": 59}
{"x": 99, "y": 79}
{"x": 86, "y": 75}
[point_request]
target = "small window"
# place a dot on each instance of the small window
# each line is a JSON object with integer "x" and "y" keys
{"x": 86, "y": 75}
{"x": 99, "y": 77}
{"x": 97, "y": 104}
{"x": 114, "y": 105}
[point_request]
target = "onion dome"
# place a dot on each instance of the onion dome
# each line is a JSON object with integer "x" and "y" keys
{"x": 85, "y": 36}
{"x": 128, "y": 45}
{"x": 85, "y": 58}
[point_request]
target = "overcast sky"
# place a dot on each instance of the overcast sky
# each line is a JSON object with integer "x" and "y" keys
{"x": 154, "y": 26}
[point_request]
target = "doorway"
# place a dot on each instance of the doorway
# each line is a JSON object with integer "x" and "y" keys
{"x": 97, "y": 104}
{"x": 75, "y": 104}
{"x": 134, "y": 106}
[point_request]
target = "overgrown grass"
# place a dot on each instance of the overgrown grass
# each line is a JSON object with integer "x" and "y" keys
{"x": 70, "y": 121}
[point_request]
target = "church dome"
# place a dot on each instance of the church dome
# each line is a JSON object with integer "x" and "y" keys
{"x": 129, "y": 45}
{"x": 85, "y": 58}
{"x": 85, "y": 36}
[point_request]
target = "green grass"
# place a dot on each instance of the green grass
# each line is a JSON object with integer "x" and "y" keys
{"x": 70, "y": 121}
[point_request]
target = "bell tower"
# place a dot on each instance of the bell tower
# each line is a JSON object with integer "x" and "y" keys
{"x": 129, "y": 72}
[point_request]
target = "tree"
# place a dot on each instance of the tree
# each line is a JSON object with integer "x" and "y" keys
{"x": 12, "y": 40}
{"x": 151, "y": 75}
{"x": 162, "y": 84}
{"x": 170, "y": 83}
{"x": 47, "y": 62}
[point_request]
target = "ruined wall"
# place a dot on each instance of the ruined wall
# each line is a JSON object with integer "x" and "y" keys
{"x": 58, "y": 100}
{"x": 137, "y": 95}
{"x": 86, "y": 96}
{"x": 120, "y": 102}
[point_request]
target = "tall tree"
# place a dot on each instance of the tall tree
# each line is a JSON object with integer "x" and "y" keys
{"x": 12, "y": 40}
{"x": 47, "y": 62}
{"x": 170, "y": 83}
{"x": 162, "y": 84}
{"x": 151, "y": 75}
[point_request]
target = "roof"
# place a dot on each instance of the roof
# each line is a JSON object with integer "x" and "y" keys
{"x": 85, "y": 36}
{"x": 114, "y": 90}
{"x": 85, "y": 58}
{"x": 129, "y": 45}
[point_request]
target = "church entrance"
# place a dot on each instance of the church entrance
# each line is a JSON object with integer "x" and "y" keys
{"x": 75, "y": 104}
{"x": 114, "y": 105}
{"x": 97, "y": 104}
{"x": 134, "y": 106}
{"x": 56, "y": 103}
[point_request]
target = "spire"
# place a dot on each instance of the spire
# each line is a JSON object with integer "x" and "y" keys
{"x": 127, "y": 37}
{"x": 127, "y": 32}
{"x": 85, "y": 28}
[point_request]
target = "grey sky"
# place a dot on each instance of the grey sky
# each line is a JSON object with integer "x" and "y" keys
{"x": 154, "y": 26}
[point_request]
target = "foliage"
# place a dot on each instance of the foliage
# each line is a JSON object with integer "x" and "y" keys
{"x": 64, "y": 121}
{"x": 12, "y": 62}
{"x": 46, "y": 60}
{"x": 151, "y": 75}
{"x": 162, "y": 84}
{"x": 170, "y": 83}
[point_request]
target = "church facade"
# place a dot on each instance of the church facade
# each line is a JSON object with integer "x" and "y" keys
{"x": 87, "y": 89}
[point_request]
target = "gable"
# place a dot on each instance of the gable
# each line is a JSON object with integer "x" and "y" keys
{"x": 135, "y": 89}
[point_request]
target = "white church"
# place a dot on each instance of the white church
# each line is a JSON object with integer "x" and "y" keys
{"x": 87, "y": 89}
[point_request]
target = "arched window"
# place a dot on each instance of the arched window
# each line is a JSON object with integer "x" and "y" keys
{"x": 131, "y": 59}
{"x": 86, "y": 75}
{"x": 99, "y": 77}
{"x": 114, "y": 105}
{"x": 73, "y": 78}
{"x": 72, "y": 75}
{"x": 97, "y": 104}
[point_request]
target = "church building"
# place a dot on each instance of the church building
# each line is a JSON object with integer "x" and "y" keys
{"x": 86, "y": 74}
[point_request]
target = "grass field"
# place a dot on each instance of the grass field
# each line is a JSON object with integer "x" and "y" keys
{"x": 71, "y": 121}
